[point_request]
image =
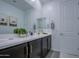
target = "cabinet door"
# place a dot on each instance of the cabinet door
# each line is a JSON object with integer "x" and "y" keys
{"x": 14, "y": 52}
{"x": 35, "y": 49}
{"x": 44, "y": 46}
{"x": 49, "y": 43}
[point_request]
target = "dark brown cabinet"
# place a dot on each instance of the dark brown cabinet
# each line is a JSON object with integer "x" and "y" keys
{"x": 14, "y": 52}
{"x": 44, "y": 46}
{"x": 34, "y": 49}
{"x": 49, "y": 43}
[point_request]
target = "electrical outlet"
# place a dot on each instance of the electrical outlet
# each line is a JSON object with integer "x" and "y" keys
{"x": 77, "y": 48}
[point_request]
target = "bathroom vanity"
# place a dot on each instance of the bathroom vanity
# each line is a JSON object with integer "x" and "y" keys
{"x": 36, "y": 46}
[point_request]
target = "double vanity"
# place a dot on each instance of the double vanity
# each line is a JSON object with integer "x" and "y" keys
{"x": 35, "y": 46}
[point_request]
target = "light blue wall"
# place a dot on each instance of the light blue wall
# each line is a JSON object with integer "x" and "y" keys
{"x": 31, "y": 17}
{"x": 32, "y": 14}
{"x": 10, "y": 10}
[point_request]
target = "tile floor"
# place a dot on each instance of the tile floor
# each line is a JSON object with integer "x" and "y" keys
{"x": 53, "y": 54}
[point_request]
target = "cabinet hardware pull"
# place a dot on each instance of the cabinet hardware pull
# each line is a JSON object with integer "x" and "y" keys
{"x": 31, "y": 48}
{"x": 27, "y": 50}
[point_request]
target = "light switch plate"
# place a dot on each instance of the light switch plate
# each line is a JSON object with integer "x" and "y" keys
{"x": 78, "y": 18}
{"x": 77, "y": 33}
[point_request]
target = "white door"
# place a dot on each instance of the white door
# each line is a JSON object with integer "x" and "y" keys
{"x": 70, "y": 28}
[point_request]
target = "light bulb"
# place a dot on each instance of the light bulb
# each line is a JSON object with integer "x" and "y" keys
{"x": 33, "y": 0}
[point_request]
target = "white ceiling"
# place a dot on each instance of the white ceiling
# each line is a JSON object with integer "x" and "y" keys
{"x": 21, "y": 4}
{"x": 45, "y": 1}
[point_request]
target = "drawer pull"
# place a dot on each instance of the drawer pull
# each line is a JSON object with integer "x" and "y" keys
{"x": 27, "y": 50}
{"x": 31, "y": 48}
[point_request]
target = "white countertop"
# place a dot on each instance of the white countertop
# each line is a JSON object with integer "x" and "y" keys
{"x": 9, "y": 41}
